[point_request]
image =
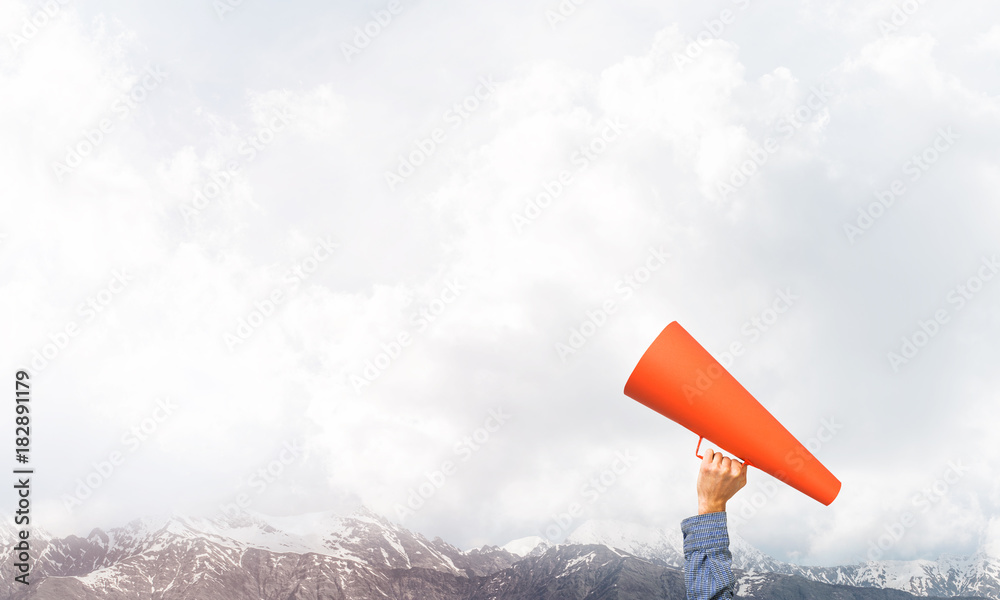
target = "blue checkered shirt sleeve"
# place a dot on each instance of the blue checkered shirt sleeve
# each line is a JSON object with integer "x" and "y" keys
{"x": 708, "y": 564}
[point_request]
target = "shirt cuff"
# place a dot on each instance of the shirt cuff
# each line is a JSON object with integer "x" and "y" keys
{"x": 705, "y": 532}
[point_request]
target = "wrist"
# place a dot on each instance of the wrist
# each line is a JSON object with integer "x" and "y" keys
{"x": 705, "y": 507}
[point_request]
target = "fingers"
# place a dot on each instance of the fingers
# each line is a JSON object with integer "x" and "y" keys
{"x": 722, "y": 463}
{"x": 719, "y": 462}
{"x": 710, "y": 460}
{"x": 713, "y": 458}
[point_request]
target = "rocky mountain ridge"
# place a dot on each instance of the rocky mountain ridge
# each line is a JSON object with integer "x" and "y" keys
{"x": 362, "y": 556}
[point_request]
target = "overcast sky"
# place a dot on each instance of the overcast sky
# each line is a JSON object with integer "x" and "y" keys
{"x": 306, "y": 256}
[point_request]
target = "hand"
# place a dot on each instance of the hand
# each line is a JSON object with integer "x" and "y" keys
{"x": 718, "y": 479}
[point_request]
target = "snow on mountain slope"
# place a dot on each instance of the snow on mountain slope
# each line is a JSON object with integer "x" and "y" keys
{"x": 749, "y": 558}
{"x": 527, "y": 546}
{"x": 978, "y": 575}
{"x": 175, "y": 557}
{"x": 364, "y": 552}
{"x": 638, "y": 540}
{"x": 666, "y": 545}
{"x": 361, "y": 536}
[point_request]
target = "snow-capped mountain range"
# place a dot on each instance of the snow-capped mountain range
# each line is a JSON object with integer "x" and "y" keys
{"x": 362, "y": 556}
{"x": 978, "y": 575}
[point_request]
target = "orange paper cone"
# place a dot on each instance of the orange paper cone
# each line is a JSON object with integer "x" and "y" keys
{"x": 679, "y": 379}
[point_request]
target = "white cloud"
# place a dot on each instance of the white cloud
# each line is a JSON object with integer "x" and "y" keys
{"x": 654, "y": 184}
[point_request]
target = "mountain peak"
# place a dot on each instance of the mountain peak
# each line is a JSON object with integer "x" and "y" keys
{"x": 625, "y": 536}
{"x": 527, "y": 546}
{"x": 358, "y": 545}
{"x": 646, "y": 542}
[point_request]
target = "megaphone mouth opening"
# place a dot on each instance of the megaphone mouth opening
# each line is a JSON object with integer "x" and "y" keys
{"x": 652, "y": 348}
